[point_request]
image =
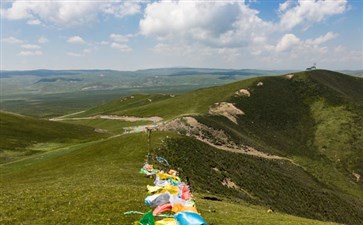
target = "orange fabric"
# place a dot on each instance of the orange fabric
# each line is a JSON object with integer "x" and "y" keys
{"x": 181, "y": 208}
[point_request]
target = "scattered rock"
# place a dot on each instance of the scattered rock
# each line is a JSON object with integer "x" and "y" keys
{"x": 150, "y": 100}
{"x": 227, "y": 110}
{"x": 189, "y": 126}
{"x": 229, "y": 183}
{"x": 357, "y": 176}
{"x": 102, "y": 131}
{"x": 243, "y": 92}
{"x": 259, "y": 84}
{"x": 289, "y": 76}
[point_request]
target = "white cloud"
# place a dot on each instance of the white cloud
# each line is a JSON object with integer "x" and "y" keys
{"x": 30, "y": 53}
{"x": 74, "y": 54}
{"x": 43, "y": 40}
{"x": 287, "y": 42}
{"x": 87, "y": 50}
{"x": 121, "y": 47}
{"x": 213, "y": 23}
{"x": 122, "y": 8}
{"x": 67, "y": 13}
{"x": 292, "y": 44}
{"x": 80, "y": 54}
{"x": 119, "y": 38}
{"x": 309, "y": 12}
{"x": 322, "y": 39}
{"x": 285, "y": 5}
{"x": 63, "y": 13}
{"x": 30, "y": 46}
{"x": 34, "y": 22}
{"x": 76, "y": 40}
{"x": 231, "y": 31}
{"x": 12, "y": 40}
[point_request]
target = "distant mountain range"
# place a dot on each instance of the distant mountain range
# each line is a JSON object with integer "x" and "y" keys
{"x": 160, "y": 71}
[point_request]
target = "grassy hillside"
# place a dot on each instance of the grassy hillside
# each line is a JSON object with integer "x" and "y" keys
{"x": 98, "y": 184}
{"x": 314, "y": 119}
{"x": 110, "y": 126}
{"x": 194, "y": 102}
{"x": 124, "y": 104}
{"x": 273, "y": 183}
{"x": 20, "y": 133}
{"x": 303, "y": 118}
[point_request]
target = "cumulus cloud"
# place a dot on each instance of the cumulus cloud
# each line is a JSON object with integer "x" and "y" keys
{"x": 121, "y": 47}
{"x": 119, "y": 37}
{"x": 291, "y": 43}
{"x": 219, "y": 23}
{"x": 81, "y": 53}
{"x": 76, "y": 40}
{"x": 309, "y": 12}
{"x": 87, "y": 50}
{"x": 285, "y": 5}
{"x": 43, "y": 40}
{"x": 12, "y": 40}
{"x": 287, "y": 42}
{"x": 30, "y": 53}
{"x": 63, "y": 13}
{"x": 322, "y": 39}
{"x": 67, "y": 13}
{"x": 34, "y": 22}
{"x": 74, "y": 54}
{"x": 30, "y": 46}
{"x": 122, "y": 8}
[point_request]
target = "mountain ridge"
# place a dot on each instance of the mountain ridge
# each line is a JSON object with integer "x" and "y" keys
{"x": 309, "y": 118}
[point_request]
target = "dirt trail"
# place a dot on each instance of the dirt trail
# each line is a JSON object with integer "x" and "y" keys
{"x": 190, "y": 125}
{"x": 215, "y": 138}
{"x": 245, "y": 150}
{"x": 64, "y": 116}
{"x": 153, "y": 119}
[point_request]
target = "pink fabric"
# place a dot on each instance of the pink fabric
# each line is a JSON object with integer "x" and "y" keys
{"x": 162, "y": 208}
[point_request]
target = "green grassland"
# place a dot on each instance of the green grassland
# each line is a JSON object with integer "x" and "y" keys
{"x": 278, "y": 184}
{"x": 194, "y": 102}
{"x": 109, "y": 126}
{"x": 316, "y": 123}
{"x": 314, "y": 119}
{"x": 46, "y": 93}
{"x": 124, "y": 104}
{"x": 22, "y": 135}
{"x": 58, "y": 104}
{"x": 96, "y": 183}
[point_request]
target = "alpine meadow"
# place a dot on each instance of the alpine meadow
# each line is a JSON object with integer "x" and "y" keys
{"x": 181, "y": 112}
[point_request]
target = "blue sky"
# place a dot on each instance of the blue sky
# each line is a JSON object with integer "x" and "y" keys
{"x": 130, "y": 35}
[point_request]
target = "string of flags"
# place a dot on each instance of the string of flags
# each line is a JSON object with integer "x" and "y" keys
{"x": 168, "y": 194}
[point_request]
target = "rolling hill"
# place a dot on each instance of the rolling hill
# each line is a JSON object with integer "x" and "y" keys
{"x": 292, "y": 143}
{"x": 312, "y": 118}
{"x": 98, "y": 183}
{"x": 22, "y": 135}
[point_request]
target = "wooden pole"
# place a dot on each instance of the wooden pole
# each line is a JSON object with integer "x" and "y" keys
{"x": 148, "y": 130}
